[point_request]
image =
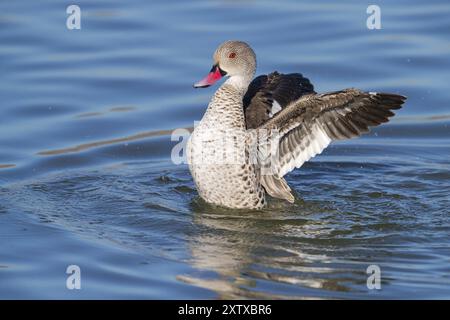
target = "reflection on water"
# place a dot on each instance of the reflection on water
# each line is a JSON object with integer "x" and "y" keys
{"x": 4, "y": 166}
{"x": 234, "y": 244}
{"x": 90, "y": 145}
{"x": 86, "y": 176}
{"x": 97, "y": 113}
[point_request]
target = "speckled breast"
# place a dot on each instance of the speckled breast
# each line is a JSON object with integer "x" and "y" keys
{"x": 222, "y": 170}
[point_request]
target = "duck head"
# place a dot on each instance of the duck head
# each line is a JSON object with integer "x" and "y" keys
{"x": 234, "y": 59}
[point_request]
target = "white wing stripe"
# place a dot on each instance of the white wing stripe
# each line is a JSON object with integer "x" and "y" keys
{"x": 276, "y": 107}
{"x": 298, "y": 155}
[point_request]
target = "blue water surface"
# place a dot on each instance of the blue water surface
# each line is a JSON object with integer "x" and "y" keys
{"x": 86, "y": 176}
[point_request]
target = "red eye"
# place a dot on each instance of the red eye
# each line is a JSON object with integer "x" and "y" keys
{"x": 232, "y": 55}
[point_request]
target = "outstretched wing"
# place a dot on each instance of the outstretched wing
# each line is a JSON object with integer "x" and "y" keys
{"x": 307, "y": 126}
{"x": 268, "y": 94}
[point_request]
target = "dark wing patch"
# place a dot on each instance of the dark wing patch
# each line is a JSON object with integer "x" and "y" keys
{"x": 264, "y": 89}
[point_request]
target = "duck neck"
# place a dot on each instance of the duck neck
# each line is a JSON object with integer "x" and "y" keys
{"x": 239, "y": 83}
{"x": 226, "y": 107}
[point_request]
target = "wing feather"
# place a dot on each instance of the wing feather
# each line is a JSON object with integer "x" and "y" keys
{"x": 308, "y": 125}
{"x": 268, "y": 94}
